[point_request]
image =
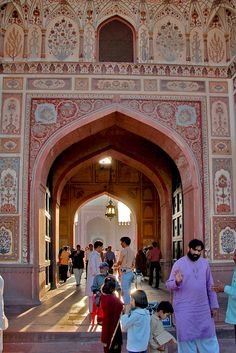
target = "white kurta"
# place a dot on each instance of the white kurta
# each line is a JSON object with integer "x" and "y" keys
{"x": 93, "y": 270}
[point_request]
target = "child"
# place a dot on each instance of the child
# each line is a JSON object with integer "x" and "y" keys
{"x": 159, "y": 336}
{"x": 112, "y": 308}
{"x": 137, "y": 323}
{"x": 96, "y": 289}
{"x": 99, "y": 280}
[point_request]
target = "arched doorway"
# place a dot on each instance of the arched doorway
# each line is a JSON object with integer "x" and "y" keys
{"x": 91, "y": 224}
{"x": 138, "y": 144}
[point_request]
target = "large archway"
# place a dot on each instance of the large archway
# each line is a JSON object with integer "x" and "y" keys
{"x": 117, "y": 118}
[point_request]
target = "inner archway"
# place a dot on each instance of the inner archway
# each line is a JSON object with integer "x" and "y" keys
{"x": 128, "y": 184}
{"x": 91, "y": 224}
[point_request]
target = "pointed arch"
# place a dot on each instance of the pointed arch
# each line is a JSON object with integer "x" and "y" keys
{"x": 84, "y": 218}
{"x": 116, "y": 41}
{"x": 119, "y": 10}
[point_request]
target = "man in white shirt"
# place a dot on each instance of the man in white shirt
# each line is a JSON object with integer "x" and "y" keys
{"x": 93, "y": 270}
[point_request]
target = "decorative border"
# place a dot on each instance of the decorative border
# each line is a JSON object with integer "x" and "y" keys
{"x": 115, "y": 69}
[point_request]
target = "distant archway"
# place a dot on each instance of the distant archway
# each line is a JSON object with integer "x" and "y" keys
{"x": 91, "y": 224}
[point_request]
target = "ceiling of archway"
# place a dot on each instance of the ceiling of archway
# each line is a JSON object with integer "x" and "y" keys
{"x": 81, "y": 160}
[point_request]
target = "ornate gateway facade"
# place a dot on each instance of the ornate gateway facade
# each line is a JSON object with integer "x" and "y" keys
{"x": 151, "y": 83}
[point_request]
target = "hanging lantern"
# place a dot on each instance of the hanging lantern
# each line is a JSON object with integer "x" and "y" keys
{"x": 110, "y": 210}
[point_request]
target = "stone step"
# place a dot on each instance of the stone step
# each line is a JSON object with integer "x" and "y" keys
{"x": 80, "y": 342}
{"x": 56, "y": 342}
{"x": 52, "y": 342}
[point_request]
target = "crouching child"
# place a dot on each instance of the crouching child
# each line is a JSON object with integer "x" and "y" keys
{"x": 159, "y": 337}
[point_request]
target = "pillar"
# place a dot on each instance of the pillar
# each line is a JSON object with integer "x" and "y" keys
{"x": 193, "y": 222}
{"x": 81, "y": 44}
{"x": 227, "y": 47}
{"x": 166, "y": 238}
{"x": 151, "y": 55}
{"x": 25, "y": 50}
{"x": 205, "y": 49}
{"x": 2, "y": 37}
{"x": 188, "y": 56}
{"x": 43, "y": 53}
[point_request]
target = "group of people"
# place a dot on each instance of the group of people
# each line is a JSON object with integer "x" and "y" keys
{"x": 75, "y": 260}
{"x": 195, "y": 303}
{"x": 143, "y": 330}
{"x": 125, "y": 265}
{"x": 194, "y": 294}
{"x": 195, "y": 306}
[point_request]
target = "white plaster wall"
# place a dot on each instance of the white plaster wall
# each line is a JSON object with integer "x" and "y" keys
{"x": 92, "y": 225}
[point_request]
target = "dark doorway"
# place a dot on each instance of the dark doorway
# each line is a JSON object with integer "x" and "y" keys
{"x": 116, "y": 42}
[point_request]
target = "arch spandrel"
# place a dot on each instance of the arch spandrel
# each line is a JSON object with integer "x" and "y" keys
{"x": 134, "y": 121}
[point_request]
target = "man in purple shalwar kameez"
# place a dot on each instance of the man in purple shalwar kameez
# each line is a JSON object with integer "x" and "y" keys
{"x": 195, "y": 304}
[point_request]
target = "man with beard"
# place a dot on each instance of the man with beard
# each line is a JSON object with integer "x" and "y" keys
{"x": 195, "y": 304}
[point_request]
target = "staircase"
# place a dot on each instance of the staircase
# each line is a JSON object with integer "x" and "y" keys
{"x": 57, "y": 342}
